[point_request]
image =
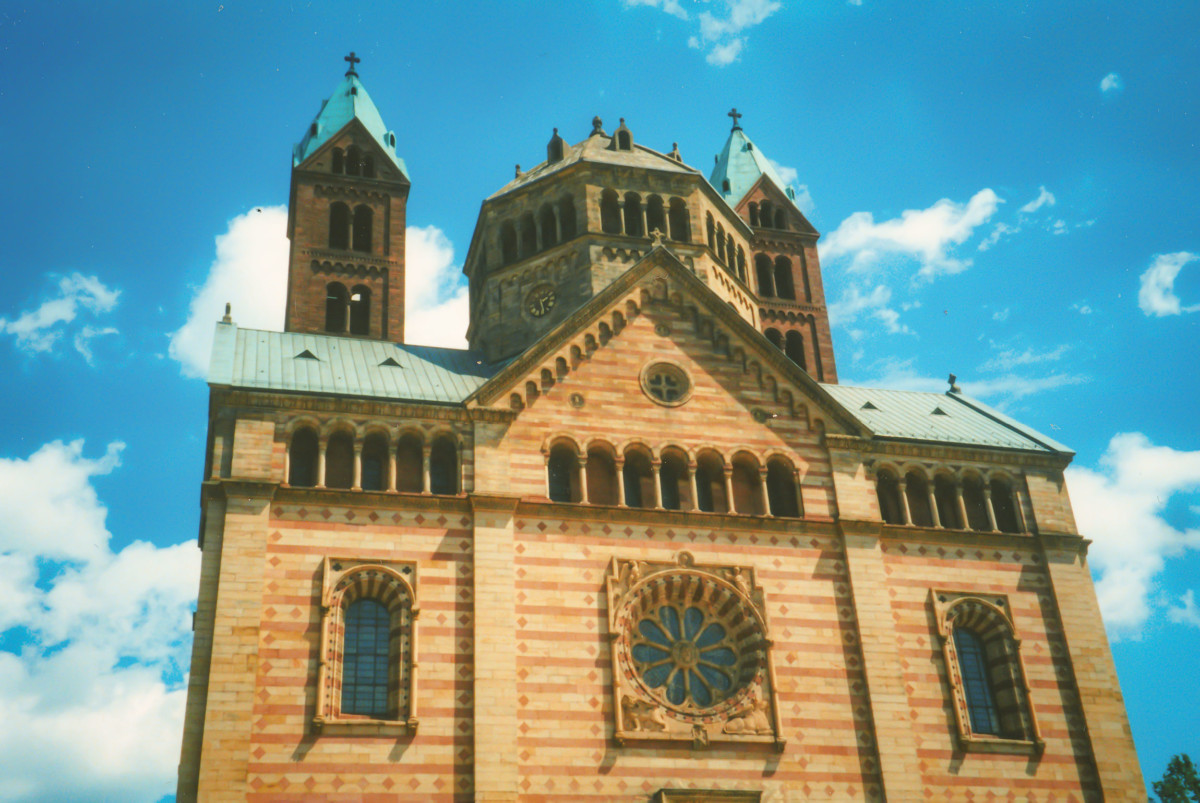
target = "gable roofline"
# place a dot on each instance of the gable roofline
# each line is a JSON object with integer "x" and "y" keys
{"x": 1011, "y": 423}
{"x": 378, "y": 147}
{"x": 662, "y": 257}
{"x": 770, "y": 188}
{"x": 349, "y": 101}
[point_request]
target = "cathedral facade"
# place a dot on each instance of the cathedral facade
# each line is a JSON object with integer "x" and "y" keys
{"x": 636, "y": 543}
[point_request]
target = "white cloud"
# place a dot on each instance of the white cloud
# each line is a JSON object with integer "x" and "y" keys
{"x": 84, "y": 337}
{"x": 921, "y": 234}
{"x": 726, "y": 53}
{"x": 1044, "y": 198}
{"x": 1157, "y": 293}
{"x": 1081, "y": 308}
{"x": 1120, "y": 507}
{"x": 999, "y": 231}
{"x": 1188, "y": 613}
{"x": 790, "y": 177}
{"x": 1111, "y": 83}
{"x": 846, "y": 310}
{"x": 93, "y": 702}
{"x": 39, "y": 329}
{"x": 672, "y": 7}
{"x": 898, "y": 374}
{"x": 436, "y": 300}
{"x": 1000, "y": 315}
{"x": 1010, "y": 358}
{"x": 250, "y": 272}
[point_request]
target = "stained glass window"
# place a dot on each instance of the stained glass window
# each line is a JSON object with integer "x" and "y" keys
{"x": 366, "y": 656}
{"x": 686, "y": 653}
{"x": 972, "y": 663}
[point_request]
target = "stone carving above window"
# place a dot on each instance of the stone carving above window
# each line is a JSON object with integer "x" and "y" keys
{"x": 691, "y": 654}
{"x": 368, "y": 630}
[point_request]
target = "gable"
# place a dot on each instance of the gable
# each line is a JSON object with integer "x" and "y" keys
{"x": 661, "y": 285}
{"x": 355, "y": 133}
{"x": 767, "y": 189}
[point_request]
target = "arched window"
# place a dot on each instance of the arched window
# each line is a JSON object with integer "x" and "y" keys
{"x": 674, "y": 485}
{"x": 710, "y": 484}
{"x": 783, "y": 278}
{"x": 624, "y": 141}
{"x": 549, "y": 226}
{"x": 443, "y": 466}
{"x": 916, "y": 489}
{"x": 741, "y": 263}
{"x": 730, "y": 252}
{"x": 775, "y": 338}
{"x": 804, "y": 276}
{"x": 339, "y": 161}
{"x": 946, "y": 495}
{"x": 656, "y": 215}
{"x": 601, "y": 475}
{"x": 362, "y": 228}
{"x": 360, "y": 310}
{"x": 365, "y": 677}
{"x": 712, "y": 232}
{"x": 764, "y": 214}
{"x": 508, "y": 243}
{"x": 353, "y": 161}
{"x": 366, "y": 657}
{"x": 754, "y": 214}
{"x": 794, "y": 348}
{"x": 339, "y": 225}
{"x": 633, "y": 215}
{"x": 339, "y": 460}
{"x": 887, "y": 488}
{"x": 680, "y": 226}
{"x": 976, "y": 505}
{"x": 410, "y": 464}
{"x": 302, "y": 459}
{"x": 566, "y": 216}
{"x": 746, "y": 481}
{"x": 528, "y": 236}
{"x": 781, "y": 489}
{"x": 610, "y": 213}
{"x": 983, "y": 662}
{"x": 1004, "y": 506}
{"x": 563, "y": 474}
{"x": 765, "y": 274}
{"x": 720, "y": 250}
{"x": 337, "y": 302}
{"x": 780, "y": 219}
{"x": 375, "y": 463}
{"x": 368, "y": 166}
{"x": 638, "y": 479}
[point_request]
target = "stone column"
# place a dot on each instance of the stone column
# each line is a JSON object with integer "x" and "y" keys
{"x": 322, "y": 446}
{"x": 583, "y": 491}
{"x": 620, "y": 482}
{"x": 656, "y": 470}
{"x": 963, "y": 522}
{"x": 287, "y": 463}
{"x": 729, "y": 506}
{"x": 991, "y": 511}
{"x": 695, "y": 489}
{"x": 392, "y": 467}
{"x": 763, "y": 499}
{"x": 933, "y": 511}
{"x": 557, "y": 223}
{"x": 904, "y": 501}
{"x": 425, "y": 450}
{"x": 621, "y": 211}
{"x": 495, "y": 653}
{"x": 356, "y": 485}
{"x": 645, "y": 218}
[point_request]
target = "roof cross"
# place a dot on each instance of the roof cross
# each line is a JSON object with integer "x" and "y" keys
{"x": 353, "y": 59}
{"x": 736, "y": 116}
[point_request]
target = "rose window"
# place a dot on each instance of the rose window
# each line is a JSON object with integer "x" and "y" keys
{"x": 666, "y": 384}
{"x": 685, "y": 654}
{"x": 692, "y": 642}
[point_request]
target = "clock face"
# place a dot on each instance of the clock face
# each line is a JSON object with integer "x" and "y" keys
{"x": 540, "y": 301}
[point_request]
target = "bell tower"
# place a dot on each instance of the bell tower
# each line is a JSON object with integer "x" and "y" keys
{"x": 346, "y": 219}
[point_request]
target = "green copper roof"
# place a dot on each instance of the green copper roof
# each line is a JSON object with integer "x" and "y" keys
{"x": 742, "y": 164}
{"x": 347, "y": 366}
{"x": 348, "y": 102}
{"x": 949, "y": 418}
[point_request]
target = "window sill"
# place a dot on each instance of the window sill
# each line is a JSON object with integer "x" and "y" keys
{"x": 995, "y": 744}
{"x": 364, "y": 726}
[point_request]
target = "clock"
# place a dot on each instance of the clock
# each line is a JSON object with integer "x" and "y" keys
{"x": 540, "y": 301}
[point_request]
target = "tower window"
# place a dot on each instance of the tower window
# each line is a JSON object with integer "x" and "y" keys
{"x": 783, "y": 278}
{"x": 529, "y": 239}
{"x": 610, "y": 213}
{"x": 339, "y": 226}
{"x": 794, "y": 348}
{"x": 725, "y": 185}
{"x": 562, "y": 474}
{"x": 887, "y": 488}
{"x": 680, "y": 227}
{"x": 566, "y": 217}
{"x": 375, "y": 463}
{"x": 360, "y": 310}
{"x": 353, "y": 161}
{"x": 362, "y": 228}
{"x": 508, "y": 243}
{"x": 337, "y": 302}
{"x": 765, "y": 274}
{"x": 443, "y": 466}
{"x": 339, "y": 160}
{"x": 781, "y": 489}
{"x": 302, "y": 459}
{"x": 633, "y": 214}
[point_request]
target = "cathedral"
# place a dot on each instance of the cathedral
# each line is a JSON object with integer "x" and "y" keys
{"x": 636, "y": 543}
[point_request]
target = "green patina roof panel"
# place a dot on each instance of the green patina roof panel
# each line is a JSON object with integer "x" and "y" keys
{"x": 261, "y": 360}
{"x": 910, "y": 415}
{"x": 348, "y": 102}
{"x": 743, "y": 164}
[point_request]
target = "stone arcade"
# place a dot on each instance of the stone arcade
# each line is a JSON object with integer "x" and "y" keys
{"x": 636, "y": 543}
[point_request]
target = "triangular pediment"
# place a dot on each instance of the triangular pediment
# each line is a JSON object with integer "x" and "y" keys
{"x": 689, "y": 320}
{"x": 355, "y": 132}
{"x": 764, "y": 187}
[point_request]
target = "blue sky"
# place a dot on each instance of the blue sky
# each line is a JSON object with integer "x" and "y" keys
{"x": 1006, "y": 190}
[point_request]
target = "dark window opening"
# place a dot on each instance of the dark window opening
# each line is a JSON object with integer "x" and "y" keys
{"x": 783, "y": 278}
{"x": 362, "y": 228}
{"x": 624, "y": 141}
{"x": 528, "y": 236}
{"x": 775, "y": 337}
{"x": 976, "y": 505}
{"x": 566, "y": 216}
{"x": 765, "y": 274}
{"x": 375, "y": 463}
{"x": 610, "y": 213}
{"x": 1004, "y": 506}
{"x": 673, "y": 481}
{"x": 780, "y": 219}
{"x": 887, "y": 488}
{"x": 339, "y": 461}
{"x": 794, "y": 349}
{"x": 443, "y": 467}
{"x": 563, "y": 474}
{"x": 410, "y": 467}
{"x": 633, "y": 214}
{"x": 656, "y": 218}
{"x": 781, "y": 490}
{"x": 977, "y": 687}
{"x": 353, "y": 161}
{"x": 946, "y": 496}
{"x": 917, "y": 491}
{"x": 637, "y": 478}
{"x": 366, "y": 656}
{"x": 601, "y": 475}
{"x": 302, "y": 459}
{"x": 360, "y": 310}
{"x": 337, "y": 300}
{"x": 339, "y": 162}
{"x": 508, "y": 243}
{"x": 339, "y": 226}
{"x": 549, "y": 226}
{"x": 680, "y": 225}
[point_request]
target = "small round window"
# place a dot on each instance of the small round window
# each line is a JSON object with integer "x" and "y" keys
{"x": 666, "y": 384}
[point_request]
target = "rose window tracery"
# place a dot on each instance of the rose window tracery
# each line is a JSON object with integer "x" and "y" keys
{"x": 686, "y": 654}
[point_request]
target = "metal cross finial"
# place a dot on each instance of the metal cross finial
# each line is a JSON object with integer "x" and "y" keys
{"x": 736, "y": 116}
{"x": 353, "y": 59}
